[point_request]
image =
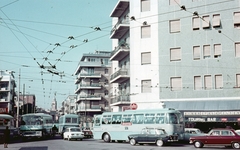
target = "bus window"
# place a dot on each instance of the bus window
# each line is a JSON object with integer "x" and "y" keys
{"x": 173, "y": 119}
{"x": 97, "y": 121}
{"x": 74, "y": 120}
{"x": 68, "y": 120}
{"x": 149, "y": 118}
{"x": 116, "y": 119}
{"x": 126, "y": 118}
{"x": 139, "y": 118}
{"x": 106, "y": 119}
{"x": 160, "y": 118}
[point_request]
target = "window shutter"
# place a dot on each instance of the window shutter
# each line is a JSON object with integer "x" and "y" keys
{"x": 196, "y": 23}
{"x": 176, "y": 83}
{"x": 145, "y": 5}
{"x": 174, "y": 26}
{"x": 206, "y": 50}
{"x": 216, "y": 20}
{"x": 207, "y": 82}
{"x": 238, "y": 80}
{"x": 218, "y": 82}
{"x": 237, "y": 18}
{"x": 217, "y": 49}
{"x": 146, "y": 31}
{"x": 197, "y": 83}
{"x": 174, "y": 2}
{"x": 146, "y": 86}
{"x": 196, "y": 52}
{"x": 146, "y": 58}
{"x": 206, "y": 22}
{"x": 237, "y": 49}
{"x": 175, "y": 54}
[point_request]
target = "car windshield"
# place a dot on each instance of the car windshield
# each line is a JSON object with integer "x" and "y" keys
{"x": 75, "y": 130}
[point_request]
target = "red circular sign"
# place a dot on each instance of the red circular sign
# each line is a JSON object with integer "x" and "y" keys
{"x": 133, "y": 106}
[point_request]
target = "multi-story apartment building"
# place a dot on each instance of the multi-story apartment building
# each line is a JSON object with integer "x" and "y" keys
{"x": 7, "y": 91}
{"x": 92, "y": 85}
{"x": 184, "y": 54}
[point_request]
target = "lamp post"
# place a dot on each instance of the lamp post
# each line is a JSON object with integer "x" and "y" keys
{"x": 18, "y": 98}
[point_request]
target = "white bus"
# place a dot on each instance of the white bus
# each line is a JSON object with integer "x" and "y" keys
{"x": 116, "y": 126}
{"x": 7, "y": 120}
{"x": 68, "y": 120}
{"x": 36, "y": 125}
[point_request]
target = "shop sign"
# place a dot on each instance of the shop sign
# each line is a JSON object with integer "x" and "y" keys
{"x": 3, "y": 110}
{"x": 202, "y": 119}
{"x": 212, "y": 113}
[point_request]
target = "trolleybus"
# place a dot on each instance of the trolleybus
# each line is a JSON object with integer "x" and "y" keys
{"x": 7, "y": 120}
{"x": 67, "y": 120}
{"x": 116, "y": 126}
{"x": 36, "y": 125}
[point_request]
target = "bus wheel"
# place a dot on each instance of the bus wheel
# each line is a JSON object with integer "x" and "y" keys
{"x": 133, "y": 142}
{"x": 106, "y": 137}
{"x": 159, "y": 143}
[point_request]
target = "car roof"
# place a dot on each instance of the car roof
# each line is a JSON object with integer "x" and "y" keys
{"x": 191, "y": 129}
{"x": 223, "y": 129}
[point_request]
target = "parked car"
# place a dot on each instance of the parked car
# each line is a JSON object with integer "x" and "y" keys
{"x": 73, "y": 133}
{"x": 190, "y": 132}
{"x": 222, "y": 137}
{"x": 87, "y": 133}
{"x": 152, "y": 135}
{"x": 238, "y": 131}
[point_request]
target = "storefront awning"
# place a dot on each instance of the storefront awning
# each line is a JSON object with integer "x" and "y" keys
{"x": 204, "y": 105}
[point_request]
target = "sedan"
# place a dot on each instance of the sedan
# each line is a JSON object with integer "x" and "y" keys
{"x": 190, "y": 132}
{"x": 73, "y": 133}
{"x": 152, "y": 135}
{"x": 222, "y": 137}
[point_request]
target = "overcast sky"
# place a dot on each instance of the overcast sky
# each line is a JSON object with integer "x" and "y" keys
{"x": 38, "y": 35}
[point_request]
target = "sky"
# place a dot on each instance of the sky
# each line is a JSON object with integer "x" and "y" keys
{"x": 43, "y": 41}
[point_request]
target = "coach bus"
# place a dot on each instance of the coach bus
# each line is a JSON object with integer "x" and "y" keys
{"x": 37, "y": 125}
{"x": 7, "y": 120}
{"x": 68, "y": 120}
{"x": 116, "y": 126}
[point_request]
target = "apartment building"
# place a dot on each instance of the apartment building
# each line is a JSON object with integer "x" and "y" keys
{"x": 182, "y": 54}
{"x": 7, "y": 90}
{"x": 92, "y": 85}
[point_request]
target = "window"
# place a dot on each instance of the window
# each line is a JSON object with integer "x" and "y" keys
{"x": 174, "y": 2}
{"x": 237, "y": 49}
{"x": 176, "y": 83}
{"x": 106, "y": 71}
{"x": 175, "y": 54}
{"x": 216, "y": 20}
{"x": 217, "y": 50}
{"x": 205, "y": 21}
{"x": 197, "y": 83}
{"x": 236, "y": 20}
{"x": 207, "y": 82}
{"x": 196, "y": 52}
{"x": 106, "y": 92}
{"x": 196, "y": 23}
{"x": 146, "y": 31}
{"x": 218, "y": 82}
{"x": 174, "y": 26}
{"x": 146, "y": 58}
{"x": 90, "y": 70}
{"x": 206, "y": 51}
{"x": 238, "y": 80}
{"x": 145, "y": 5}
{"x": 91, "y": 92}
{"x": 146, "y": 86}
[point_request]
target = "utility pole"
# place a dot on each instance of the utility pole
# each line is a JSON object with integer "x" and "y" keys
{"x": 18, "y": 98}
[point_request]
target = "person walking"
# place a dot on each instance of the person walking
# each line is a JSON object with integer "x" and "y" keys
{"x": 6, "y": 137}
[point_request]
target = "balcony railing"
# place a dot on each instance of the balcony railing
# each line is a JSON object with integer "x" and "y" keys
{"x": 120, "y": 29}
{"x": 118, "y": 73}
{"x": 119, "y": 99}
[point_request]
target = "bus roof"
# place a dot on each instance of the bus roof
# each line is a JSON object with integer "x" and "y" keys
{"x": 143, "y": 111}
{"x": 36, "y": 114}
{"x": 6, "y": 116}
{"x": 69, "y": 115}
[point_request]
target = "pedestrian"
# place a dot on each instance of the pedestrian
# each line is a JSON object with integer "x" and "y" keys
{"x": 6, "y": 137}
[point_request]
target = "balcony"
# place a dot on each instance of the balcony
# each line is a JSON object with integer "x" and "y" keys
{"x": 120, "y": 76}
{"x": 120, "y": 29}
{"x": 120, "y": 100}
{"x": 120, "y": 52}
{"x": 89, "y": 97}
{"x": 120, "y": 8}
{"x": 4, "y": 89}
{"x": 90, "y": 109}
{"x": 87, "y": 75}
{"x": 3, "y": 99}
{"x": 88, "y": 87}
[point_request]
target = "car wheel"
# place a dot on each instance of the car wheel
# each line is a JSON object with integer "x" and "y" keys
{"x": 198, "y": 144}
{"x": 80, "y": 139}
{"x": 159, "y": 143}
{"x": 106, "y": 137}
{"x": 132, "y": 142}
{"x": 235, "y": 145}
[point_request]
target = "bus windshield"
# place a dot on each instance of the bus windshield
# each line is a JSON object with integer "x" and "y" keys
{"x": 31, "y": 120}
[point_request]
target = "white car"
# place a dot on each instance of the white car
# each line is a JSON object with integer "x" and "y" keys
{"x": 73, "y": 133}
{"x": 238, "y": 131}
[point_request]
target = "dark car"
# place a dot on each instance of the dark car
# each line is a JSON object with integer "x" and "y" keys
{"x": 152, "y": 135}
{"x": 87, "y": 133}
{"x": 222, "y": 137}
